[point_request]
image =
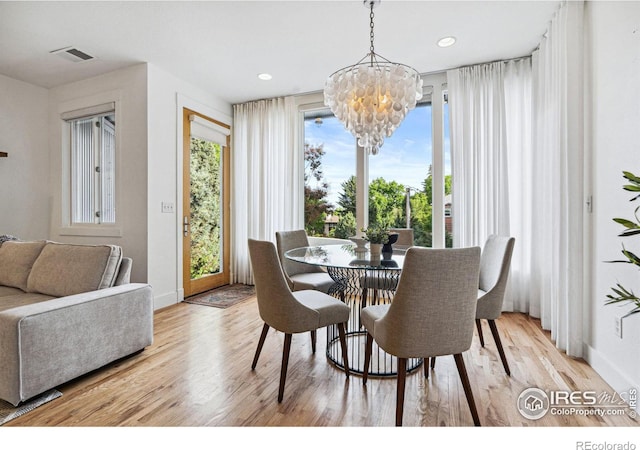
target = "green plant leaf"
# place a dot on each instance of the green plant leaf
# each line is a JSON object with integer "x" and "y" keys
{"x": 631, "y": 177}
{"x": 629, "y": 233}
{"x": 622, "y": 296}
{"x": 620, "y": 293}
{"x": 633, "y": 259}
{"x": 627, "y": 223}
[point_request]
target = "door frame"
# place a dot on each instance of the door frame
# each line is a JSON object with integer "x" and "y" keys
{"x": 217, "y": 280}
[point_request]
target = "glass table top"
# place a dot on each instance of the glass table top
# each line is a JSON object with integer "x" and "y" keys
{"x": 345, "y": 256}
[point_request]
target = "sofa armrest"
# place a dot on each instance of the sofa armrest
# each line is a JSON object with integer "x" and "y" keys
{"x": 45, "y": 344}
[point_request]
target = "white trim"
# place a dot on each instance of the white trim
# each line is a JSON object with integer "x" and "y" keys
{"x": 89, "y": 111}
{"x": 183, "y": 101}
{"x": 95, "y": 231}
{"x": 620, "y": 382}
{"x": 168, "y": 299}
{"x": 437, "y": 165}
{"x": 207, "y": 130}
{"x": 84, "y": 104}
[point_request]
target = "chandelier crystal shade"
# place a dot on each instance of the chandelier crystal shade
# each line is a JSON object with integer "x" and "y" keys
{"x": 372, "y": 97}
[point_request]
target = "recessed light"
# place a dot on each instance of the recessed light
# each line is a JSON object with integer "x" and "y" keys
{"x": 265, "y": 76}
{"x": 447, "y": 41}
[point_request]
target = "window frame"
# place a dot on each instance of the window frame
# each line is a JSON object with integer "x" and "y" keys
{"x": 436, "y": 86}
{"x": 67, "y": 111}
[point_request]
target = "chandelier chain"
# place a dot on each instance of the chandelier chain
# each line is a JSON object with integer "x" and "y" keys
{"x": 371, "y": 100}
{"x": 371, "y": 32}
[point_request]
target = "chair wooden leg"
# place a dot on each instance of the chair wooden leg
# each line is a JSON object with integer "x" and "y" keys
{"x": 367, "y": 357}
{"x": 343, "y": 344}
{"x": 402, "y": 376}
{"x": 285, "y": 364}
{"x": 432, "y": 363}
{"x": 462, "y": 371}
{"x": 479, "y": 327}
{"x": 263, "y": 336}
{"x": 496, "y": 338}
{"x": 313, "y": 341}
{"x": 363, "y": 304}
{"x": 425, "y": 364}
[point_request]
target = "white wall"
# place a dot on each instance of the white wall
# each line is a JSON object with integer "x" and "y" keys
{"x": 149, "y": 165}
{"x": 166, "y": 96}
{"x": 24, "y": 176}
{"x": 613, "y": 54}
{"x": 128, "y": 87}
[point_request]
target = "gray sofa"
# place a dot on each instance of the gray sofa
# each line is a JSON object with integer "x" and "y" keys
{"x": 66, "y": 310}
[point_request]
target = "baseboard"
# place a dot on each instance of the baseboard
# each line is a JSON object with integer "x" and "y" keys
{"x": 618, "y": 380}
{"x": 164, "y": 300}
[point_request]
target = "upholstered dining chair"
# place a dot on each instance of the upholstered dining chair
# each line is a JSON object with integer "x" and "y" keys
{"x": 378, "y": 282}
{"x": 291, "y": 312}
{"x": 300, "y": 276}
{"x": 432, "y": 314}
{"x": 494, "y": 273}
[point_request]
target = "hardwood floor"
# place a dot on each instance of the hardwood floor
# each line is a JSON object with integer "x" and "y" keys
{"x": 198, "y": 373}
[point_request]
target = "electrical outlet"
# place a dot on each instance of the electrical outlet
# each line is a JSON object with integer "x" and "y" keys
{"x": 618, "y": 326}
{"x": 167, "y": 207}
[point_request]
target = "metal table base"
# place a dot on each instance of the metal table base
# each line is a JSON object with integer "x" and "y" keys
{"x": 348, "y": 289}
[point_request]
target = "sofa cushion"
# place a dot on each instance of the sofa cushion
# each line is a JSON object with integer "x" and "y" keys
{"x": 16, "y": 261}
{"x": 6, "y": 291}
{"x": 68, "y": 269}
{"x": 21, "y": 299}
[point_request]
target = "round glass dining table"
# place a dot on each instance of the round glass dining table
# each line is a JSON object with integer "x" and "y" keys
{"x": 359, "y": 281}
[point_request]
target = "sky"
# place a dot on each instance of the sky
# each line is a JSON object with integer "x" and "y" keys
{"x": 405, "y": 157}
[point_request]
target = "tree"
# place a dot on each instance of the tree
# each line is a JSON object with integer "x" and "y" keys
{"x": 386, "y": 203}
{"x": 427, "y": 186}
{"x": 316, "y": 207}
{"x": 422, "y": 212}
{"x": 346, "y": 226}
{"x": 347, "y": 198}
{"x": 205, "y": 208}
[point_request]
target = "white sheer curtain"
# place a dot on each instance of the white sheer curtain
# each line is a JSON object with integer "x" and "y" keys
{"x": 491, "y": 107}
{"x": 558, "y": 218}
{"x": 268, "y": 180}
{"x": 479, "y": 160}
{"x": 518, "y": 168}
{"x": 522, "y": 191}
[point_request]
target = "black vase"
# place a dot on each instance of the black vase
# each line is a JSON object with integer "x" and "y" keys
{"x": 387, "y": 249}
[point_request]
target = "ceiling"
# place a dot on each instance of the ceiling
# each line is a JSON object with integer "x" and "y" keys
{"x": 221, "y": 46}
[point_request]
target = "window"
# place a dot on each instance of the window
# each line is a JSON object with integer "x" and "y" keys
{"x": 329, "y": 176}
{"x": 408, "y": 184}
{"x": 402, "y": 169}
{"x": 92, "y": 165}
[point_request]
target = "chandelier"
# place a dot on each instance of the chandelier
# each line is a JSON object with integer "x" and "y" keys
{"x": 372, "y": 97}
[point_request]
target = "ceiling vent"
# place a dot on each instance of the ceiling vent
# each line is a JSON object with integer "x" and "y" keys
{"x": 72, "y": 54}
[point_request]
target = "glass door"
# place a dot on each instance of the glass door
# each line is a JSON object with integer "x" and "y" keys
{"x": 205, "y": 221}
